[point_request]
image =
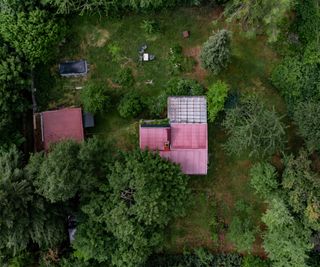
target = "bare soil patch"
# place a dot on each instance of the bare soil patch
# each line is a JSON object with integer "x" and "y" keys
{"x": 198, "y": 73}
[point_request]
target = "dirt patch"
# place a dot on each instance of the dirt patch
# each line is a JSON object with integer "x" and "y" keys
{"x": 198, "y": 72}
{"x": 97, "y": 37}
{"x": 112, "y": 84}
{"x": 218, "y": 12}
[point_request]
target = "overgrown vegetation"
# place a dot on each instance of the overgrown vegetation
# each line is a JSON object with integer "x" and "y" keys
{"x": 133, "y": 208}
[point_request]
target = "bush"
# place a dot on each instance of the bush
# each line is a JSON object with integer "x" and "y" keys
{"x": 216, "y": 97}
{"x": 215, "y": 53}
{"x": 296, "y": 81}
{"x": 242, "y": 230}
{"x": 264, "y": 179}
{"x": 150, "y": 26}
{"x": 125, "y": 77}
{"x": 95, "y": 98}
{"x": 254, "y": 128}
{"x": 178, "y": 62}
{"x": 254, "y": 261}
{"x": 130, "y": 105}
{"x": 307, "y": 117}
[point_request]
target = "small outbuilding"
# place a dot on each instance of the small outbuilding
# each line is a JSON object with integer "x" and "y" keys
{"x": 73, "y": 68}
{"x": 88, "y": 120}
{"x": 57, "y": 125}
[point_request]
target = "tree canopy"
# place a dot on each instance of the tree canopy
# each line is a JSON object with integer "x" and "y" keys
{"x": 216, "y": 52}
{"x": 127, "y": 218}
{"x": 25, "y": 216}
{"x": 253, "y": 127}
{"x": 34, "y": 35}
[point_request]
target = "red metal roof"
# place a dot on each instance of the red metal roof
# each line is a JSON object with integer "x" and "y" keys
{"x": 61, "y": 124}
{"x": 188, "y": 135}
{"x": 188, "y": 144}
{"x": 192, "y": 161}
{"x": 154, "y": 137}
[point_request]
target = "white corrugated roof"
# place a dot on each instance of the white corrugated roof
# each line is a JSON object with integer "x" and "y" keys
{"x": 187, "y": 109}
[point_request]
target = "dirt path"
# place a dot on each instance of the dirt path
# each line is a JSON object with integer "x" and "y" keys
{"x": 198, "y": 73}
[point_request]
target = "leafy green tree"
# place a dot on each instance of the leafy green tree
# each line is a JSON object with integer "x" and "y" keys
{"x": 12, "y": 102}
{"x": 124, "y": 222}
{"x": 216, "y": 96}
{"x": 260, "y": 15}
{"x": 95, "y": 98}
{"x": 34, "y": 35}
{"x": 215, "y": 53}
{"x": 242, "y": 231}
{"x": 250, "y": 261}
{"x": 286, "y": 241}
{"x": 307, "y": 20}
{"x": 307, "y": 117}
{"x": 57, "y": 175}
{"x": 130, "y": 105}
{"x": 252, "y": 127}
{"x": 296, "y": 81}
{"x": 303, "y": 189}
{"x": 184, "y": 87}
{"x": 24, "y": 215}
{"x": 264, "y": 179}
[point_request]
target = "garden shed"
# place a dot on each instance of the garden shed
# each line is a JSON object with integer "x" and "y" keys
{"x": 73, "y": 68}
{"x": 57, "y": 125}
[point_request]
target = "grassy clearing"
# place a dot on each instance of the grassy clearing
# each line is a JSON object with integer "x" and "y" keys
{"x": 112, "y": 44}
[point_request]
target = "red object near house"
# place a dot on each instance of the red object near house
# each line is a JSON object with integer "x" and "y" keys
{"x": 186, "y": 34}
{"x": 62, "y": 124}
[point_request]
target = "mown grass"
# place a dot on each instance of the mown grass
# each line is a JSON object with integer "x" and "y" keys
{"x": 111, "y": 44}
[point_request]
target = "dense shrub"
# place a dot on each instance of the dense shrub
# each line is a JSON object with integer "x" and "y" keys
{"x": 150, "y": 26}
{"x": 95, "y": 98}
{"x": 307, "y": 117}
{"x": 308, "y": 20}
{"x": 254, "y": 261}
{"x": 215, "y": 53}
{"x": 216, "y": 96}
{"x": 252, "y": 127}
{"x": 125, "y": 77}
{"x": 242, "y": 230}
{"x": 197, "y": 258}
{"x": 130, "y": 105}
{"x": 296, "y": 81}
{"x": 178, "y": 62}
{"x": 264, "y": 179}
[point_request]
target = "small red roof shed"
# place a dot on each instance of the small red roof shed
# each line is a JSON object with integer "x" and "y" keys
{"x": 62, "y": 124}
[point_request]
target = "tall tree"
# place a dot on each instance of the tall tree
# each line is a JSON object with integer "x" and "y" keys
{"x": 260, "y": 15}
{"x": 25, "y": 217}
{"x": 302, "y": 185}
{"x": 307, "y": 117}
{"x": 34, "y": 35}
{"x": 252, "y": 127}
{"x": 286, "y": 241}
{"x": 57, "y": 176}
{"x": 216, "y": 52}
{"x": 143, "y": 194}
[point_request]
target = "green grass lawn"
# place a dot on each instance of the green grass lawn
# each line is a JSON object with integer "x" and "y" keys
{"x": 111, "y": 44}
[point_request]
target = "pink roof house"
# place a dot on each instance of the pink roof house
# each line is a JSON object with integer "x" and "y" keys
{"x": 58, "y": 125}
{"x": 185, "y": 139}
